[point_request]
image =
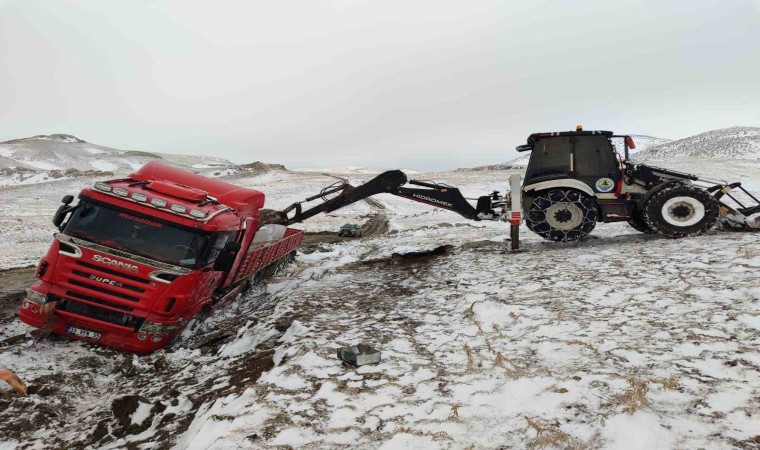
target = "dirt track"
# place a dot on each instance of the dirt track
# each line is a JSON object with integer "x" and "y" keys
{"x": 377, "y": 225}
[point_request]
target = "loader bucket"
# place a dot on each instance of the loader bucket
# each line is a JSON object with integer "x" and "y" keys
{"x": 737, "y": 214}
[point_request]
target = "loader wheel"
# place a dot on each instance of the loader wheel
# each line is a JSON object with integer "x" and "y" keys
{"x": 678, "y": 211}
{"x": 637, "y": 223}
{"x": 562, "y": 215}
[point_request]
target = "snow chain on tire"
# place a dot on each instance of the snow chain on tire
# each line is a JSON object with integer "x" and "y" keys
{"x": 637, "y": 223}
{"x": 680, "y": 210}
{"x": 562, "y": 215}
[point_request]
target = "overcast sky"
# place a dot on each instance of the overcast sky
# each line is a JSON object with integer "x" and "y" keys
{"x": 385, "y": 83}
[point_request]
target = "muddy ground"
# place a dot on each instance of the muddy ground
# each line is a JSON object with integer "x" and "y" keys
{"x": 376, "y": 225}
{"x": 12, "y": 285}
{"x": 167, "y": 384}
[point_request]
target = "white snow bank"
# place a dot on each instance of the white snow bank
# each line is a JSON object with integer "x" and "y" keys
{"x": 638, "y": 431}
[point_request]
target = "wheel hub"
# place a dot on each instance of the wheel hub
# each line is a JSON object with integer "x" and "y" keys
{"x": 683, "y": 211}
{"x": 564, "y": 216}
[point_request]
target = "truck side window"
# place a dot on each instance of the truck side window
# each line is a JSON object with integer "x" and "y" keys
{"x": 216, "y": 244}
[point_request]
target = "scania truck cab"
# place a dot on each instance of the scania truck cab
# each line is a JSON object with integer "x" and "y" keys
{"x": 136, "y": 259}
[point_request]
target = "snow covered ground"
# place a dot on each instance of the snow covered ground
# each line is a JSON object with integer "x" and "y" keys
{"x": 621, "y": 341}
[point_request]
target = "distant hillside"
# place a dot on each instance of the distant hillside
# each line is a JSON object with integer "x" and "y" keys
{"x": 643, "y": 142}
{"x": 741, "y": 143}
{"x": 63, "y": 151}
{"x": 44, "y": 158}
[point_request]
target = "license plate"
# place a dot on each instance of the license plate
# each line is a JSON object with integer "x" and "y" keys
{"x": 83, "y": 333}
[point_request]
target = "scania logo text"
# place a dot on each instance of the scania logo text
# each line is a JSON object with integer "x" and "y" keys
{"x": 115, "y": 263}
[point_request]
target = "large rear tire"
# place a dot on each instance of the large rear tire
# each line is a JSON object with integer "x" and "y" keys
{"x": 679, "y": 211}
{"x": 638, "y": 223}
{"x": 562, "y": 215}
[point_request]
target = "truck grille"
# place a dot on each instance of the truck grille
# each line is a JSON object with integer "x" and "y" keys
{"x": 102, "y": 314}
{"x": 89, "y": 298}
{"x": 102, "y": 287}
{"x": 112, "y": 272}
{"x": 106, "y": 294}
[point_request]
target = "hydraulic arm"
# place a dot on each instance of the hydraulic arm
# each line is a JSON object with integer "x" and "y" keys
{"x": 390, "y": 182}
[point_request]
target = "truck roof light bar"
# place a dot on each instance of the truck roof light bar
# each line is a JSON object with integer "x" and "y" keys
{"x": 105, "y": 187}
{"x": 163, "y": 204}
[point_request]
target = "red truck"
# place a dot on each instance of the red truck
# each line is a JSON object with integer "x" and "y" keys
{"x": 138, "y": 258}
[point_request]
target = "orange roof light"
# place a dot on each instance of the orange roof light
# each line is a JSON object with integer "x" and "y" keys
{"x": 579, "y": 127}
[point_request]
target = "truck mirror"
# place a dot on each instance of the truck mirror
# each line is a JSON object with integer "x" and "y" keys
{"x": 63, "y": 211}
{"x": 60, "y": 215}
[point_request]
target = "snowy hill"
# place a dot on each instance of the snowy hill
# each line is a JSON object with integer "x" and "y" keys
{"x": 644, "y": 142}
{"x": 58, "y": 157}
{"x": 741, "y": 143}
{"x": 63, "y": 151}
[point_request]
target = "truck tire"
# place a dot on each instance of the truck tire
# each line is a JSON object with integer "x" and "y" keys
{"x": 562, "y": 215}
{"x": 638, "y": 223}
{"x": 679, "y": 211}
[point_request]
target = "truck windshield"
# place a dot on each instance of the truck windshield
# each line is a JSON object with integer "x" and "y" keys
{"x": 136, "y": 234}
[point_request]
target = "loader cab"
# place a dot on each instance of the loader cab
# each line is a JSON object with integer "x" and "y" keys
{"x": 586, "y": 156}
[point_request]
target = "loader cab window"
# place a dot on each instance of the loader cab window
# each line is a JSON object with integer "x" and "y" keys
{"x": 549, "y": 159}
{"x": 595, "y": 157}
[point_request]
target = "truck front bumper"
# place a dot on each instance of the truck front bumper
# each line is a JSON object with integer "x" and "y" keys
{"x": 110, "y": 335}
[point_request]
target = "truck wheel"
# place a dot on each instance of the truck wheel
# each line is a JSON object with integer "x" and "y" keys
{"x": 678, "y": 211}
{"x": 562, "y": 215}
{"x": 638, "y": 223}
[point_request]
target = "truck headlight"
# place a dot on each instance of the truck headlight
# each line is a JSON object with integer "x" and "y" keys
{"x": 35, "y": 297}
